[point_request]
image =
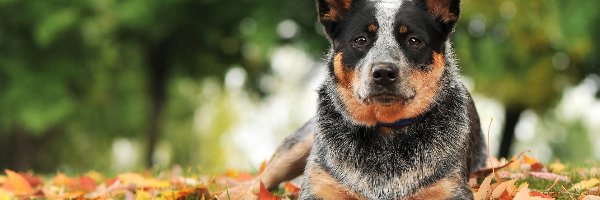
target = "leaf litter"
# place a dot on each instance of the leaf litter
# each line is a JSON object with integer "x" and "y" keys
{"x": 521, "y": 178}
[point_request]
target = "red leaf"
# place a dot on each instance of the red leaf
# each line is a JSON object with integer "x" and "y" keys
{"x": 32, "y": 179}
{"x": 539, "y": 194}
{"x": 536, "y": 167}
{"x": 264, "y": 194}
{"x": 87, "y": 184}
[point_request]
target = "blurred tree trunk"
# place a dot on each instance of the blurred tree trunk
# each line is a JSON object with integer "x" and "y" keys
{"x": 511, "y": 118}
{"x": 21, "y": 153}
{"x": 158, "y": 75}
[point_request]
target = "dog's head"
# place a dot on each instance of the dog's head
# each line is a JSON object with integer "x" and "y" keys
{"x": 388, "y": 55}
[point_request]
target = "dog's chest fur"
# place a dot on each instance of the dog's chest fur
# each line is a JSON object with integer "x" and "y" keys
{"x": 397, "y": 164}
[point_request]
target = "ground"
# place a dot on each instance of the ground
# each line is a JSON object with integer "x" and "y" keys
{"x": 522, "y": 177}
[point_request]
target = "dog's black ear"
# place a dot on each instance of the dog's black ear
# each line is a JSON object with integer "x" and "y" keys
{"x": 331, "y": 11}
{"x": 446, "y": 11}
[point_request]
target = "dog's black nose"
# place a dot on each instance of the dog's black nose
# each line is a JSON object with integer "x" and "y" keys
{"x": 384, "y": 74}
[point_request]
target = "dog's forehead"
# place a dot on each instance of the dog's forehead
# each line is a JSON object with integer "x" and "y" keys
{"x": 385, "y": 12}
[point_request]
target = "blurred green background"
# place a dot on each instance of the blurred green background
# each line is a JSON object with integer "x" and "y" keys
{"x": 128, "y": 84}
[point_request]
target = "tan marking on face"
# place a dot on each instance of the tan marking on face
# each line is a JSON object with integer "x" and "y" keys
{"x": 337, "y": 8}
{"x": 441, "y": 8}
{"x": 323, "y": 185}
{"x": 403, "y": 29}
{"x": 425, "y": 85}
{"x": 441, "y": 189}
{"x": 372, "y": 28}
{"x": 344, "y": 77}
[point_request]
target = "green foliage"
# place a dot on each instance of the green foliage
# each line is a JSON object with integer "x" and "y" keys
{"x": 525, "y": 53}
{"x": 76, "y": 75}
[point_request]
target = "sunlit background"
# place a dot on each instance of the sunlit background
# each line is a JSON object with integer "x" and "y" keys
{"x": 125, "y": 85}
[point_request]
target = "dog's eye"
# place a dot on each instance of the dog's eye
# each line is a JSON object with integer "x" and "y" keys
{"x": 361, "y": 41}
{"x": 414, "y": 42}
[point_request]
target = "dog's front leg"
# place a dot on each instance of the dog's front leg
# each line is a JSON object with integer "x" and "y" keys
{"x": 289, "y": 160}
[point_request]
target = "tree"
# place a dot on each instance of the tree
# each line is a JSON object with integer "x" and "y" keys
{"x": 76, "y": 74}
{"x": 524, "y": 53}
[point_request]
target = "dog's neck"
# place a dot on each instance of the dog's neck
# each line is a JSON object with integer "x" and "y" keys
{"x": 401, "y": 123}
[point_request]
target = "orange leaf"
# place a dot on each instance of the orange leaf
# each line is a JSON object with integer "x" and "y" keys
{"x": 238, "y": 176}
{"x": 291, "y": 188}
{"x": 111, "y": 181}
{"x": 529, "y": 160}
{"x": 264, "y": 194}
{"x": 263, "y": 165}
{"x": 33, "y": 180}
{"x": 62, "y": 180}
{"x": 17, "y": 184}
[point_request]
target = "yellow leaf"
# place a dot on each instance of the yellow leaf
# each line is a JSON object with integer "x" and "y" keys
{"x": 557, "y": 167}
{"x": 585, "y": 184}
{"x": 139, "y": 181}
{"x": 5, "y": 195}
{"x": 95, "y": 176}
{"x": 16, "y": 184}
{"x": 142, "y": 195}
{"x": 484, "y": 189}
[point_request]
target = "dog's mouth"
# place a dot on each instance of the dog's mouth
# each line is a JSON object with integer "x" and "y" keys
{"x": 385, "y": 99}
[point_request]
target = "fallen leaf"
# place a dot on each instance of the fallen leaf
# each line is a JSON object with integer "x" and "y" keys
{"x": 549, "y": 176}
{"x": 523, "y": 193}
{"x": 141, "y": 194}
{"x": 95, "y": 175}
{"x": 506, "y": 186}
{"x": 239, "y": 176}
{"x": 262, "y": 167}
{"x": 291, "y": 188}
{"x": 86, "y": 184}
{"x": 585, "y": 184}
{"x": 537, "y": 167}
{"x": 5, "y": 195}
{"x": 193, "y": 193}
{"x": 33, "y": 180}
{"x": 539, "y": 194}
{"x": 529, "y": 160}
{"x": 62, "y": 180}
{"x": 17, "y": 184}
{"x": 484, "y": 189}
{"x": 591, "y": 197}
{"x": 557, "y": 167}
{"x": 264, "y": 194}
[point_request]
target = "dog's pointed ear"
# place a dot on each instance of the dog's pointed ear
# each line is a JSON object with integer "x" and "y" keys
{"x": 332, "y": 11}
{"x": 446, "y": 11}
